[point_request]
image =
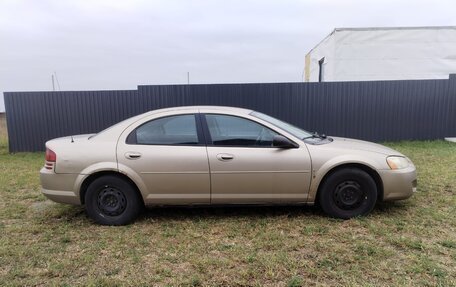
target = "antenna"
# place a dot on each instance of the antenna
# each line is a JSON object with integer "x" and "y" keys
{"x": 53, "y": 85}
{"x": 57, "y": 80}
{"x": 188, "y": 78}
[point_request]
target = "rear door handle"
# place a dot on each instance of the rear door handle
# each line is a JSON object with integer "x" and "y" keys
{"x": 225, "y": 156}
{"x": 132, "y": 155}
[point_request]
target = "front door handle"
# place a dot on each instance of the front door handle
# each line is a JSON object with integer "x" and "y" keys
{"x": 132, "y": 155}
{"x": 225, "y": 156}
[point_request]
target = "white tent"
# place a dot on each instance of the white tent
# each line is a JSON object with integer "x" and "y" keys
{"x": 362, "y": 54}
{"x": 2, "y": 104}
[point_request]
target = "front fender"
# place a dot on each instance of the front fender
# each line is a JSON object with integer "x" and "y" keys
{"x": 319, "y": 172}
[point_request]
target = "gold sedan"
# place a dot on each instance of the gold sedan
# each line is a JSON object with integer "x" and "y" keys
{"x": 204, "y": 155}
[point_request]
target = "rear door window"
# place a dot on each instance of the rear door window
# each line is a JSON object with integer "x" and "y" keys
{"x": 172, "y": 130}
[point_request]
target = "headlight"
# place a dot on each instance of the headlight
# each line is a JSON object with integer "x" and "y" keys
{"x": 397, "y": 162}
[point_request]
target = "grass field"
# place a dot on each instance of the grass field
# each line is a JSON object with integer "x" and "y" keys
{"x": 407, "y": 243}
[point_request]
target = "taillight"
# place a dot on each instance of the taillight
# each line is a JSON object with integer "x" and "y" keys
{"x": 50, "y": 158}
{"x": 50, "y": 155}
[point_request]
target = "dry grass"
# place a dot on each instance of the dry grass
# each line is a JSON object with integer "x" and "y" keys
{"x": 406, "y": 243}
{"x": 3, "y": 129}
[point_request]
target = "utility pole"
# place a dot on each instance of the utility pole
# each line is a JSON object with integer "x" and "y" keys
{"x": 53, "y": 85}
{"x": 188, "y": 78}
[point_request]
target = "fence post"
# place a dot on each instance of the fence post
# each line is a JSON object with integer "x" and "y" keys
{"x": 451, "y": 124}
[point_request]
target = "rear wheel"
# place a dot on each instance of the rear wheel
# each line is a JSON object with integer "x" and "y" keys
{"x": 110, "y": 200}
{"x": 348, "y": 193}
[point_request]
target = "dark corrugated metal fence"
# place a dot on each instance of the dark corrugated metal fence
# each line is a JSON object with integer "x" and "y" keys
{"x": 374, "y": 110}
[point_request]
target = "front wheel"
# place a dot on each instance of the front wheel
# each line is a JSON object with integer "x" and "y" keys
{"x": 110, "y": 200}
{"x": 348, "y": 193}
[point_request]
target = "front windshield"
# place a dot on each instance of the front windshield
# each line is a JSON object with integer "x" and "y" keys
{"x": 297, "y": 132}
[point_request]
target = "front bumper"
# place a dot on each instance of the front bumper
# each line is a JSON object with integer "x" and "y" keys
{"x": 59, "y": 187}
{"x": 398, "y": 184}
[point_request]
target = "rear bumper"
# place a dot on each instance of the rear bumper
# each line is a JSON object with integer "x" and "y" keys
{"x": 61, "y": 196}
{"x": 398, "y": 184}
{"x": 59, "y": 187}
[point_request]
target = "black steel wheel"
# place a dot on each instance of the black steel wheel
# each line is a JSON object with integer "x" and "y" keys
{"x": 348, "y": 193}
{"x": 111, "y": 200}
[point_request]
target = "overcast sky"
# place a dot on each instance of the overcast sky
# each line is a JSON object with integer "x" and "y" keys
{"x": 113, "y": 44}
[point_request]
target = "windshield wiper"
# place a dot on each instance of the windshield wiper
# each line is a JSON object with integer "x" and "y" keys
{"x": 315, "y": 135}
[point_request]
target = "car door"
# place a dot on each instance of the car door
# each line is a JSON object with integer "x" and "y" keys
{"x": 169, "y": 155}
{"x": 246, "y": 168}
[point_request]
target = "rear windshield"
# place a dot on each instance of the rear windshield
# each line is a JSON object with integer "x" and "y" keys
{"x": 113, "y": 126}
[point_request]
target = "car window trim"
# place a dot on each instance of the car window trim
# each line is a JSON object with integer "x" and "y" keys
{"x": 132, "y": 140}
{"x": 208, "y": 138}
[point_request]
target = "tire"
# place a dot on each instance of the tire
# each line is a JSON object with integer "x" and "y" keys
{"x": 110, "y": 200}
{"x": 348, "y": 193}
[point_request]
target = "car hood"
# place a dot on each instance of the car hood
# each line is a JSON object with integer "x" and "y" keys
{"x": 352, "y": 144}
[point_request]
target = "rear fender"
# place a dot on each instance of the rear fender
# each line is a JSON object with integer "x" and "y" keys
{"x": 109, "y": 166}
{"x": 136, "y": 178}
{"x": 92, "y": 169}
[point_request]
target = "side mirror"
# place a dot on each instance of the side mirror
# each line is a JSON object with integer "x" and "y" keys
{"x": 282, "y": 142}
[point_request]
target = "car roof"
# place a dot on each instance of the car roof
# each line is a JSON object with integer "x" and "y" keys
{"x": 204, "y": 109}
{"x": 119, "y": 127}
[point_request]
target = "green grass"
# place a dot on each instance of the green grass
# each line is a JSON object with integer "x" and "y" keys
{"x": 411, "y": 243}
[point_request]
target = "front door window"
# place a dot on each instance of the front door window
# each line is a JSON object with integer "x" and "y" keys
{"x": 235, "y": 131}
